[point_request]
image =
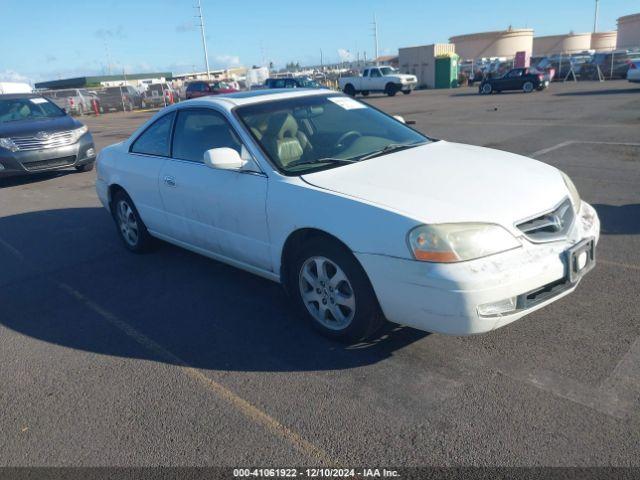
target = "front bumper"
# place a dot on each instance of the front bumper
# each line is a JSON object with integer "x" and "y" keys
{"x": 408, "y": 86}
{"x": 47, "y": 159}
{"x": 444, "y": 298}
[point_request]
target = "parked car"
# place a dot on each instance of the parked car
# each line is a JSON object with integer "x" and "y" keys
{"x": 515, "y": 79}
{"x": 36, "y": 135}
{"x": 633, "y": 75}
{"x": 608, "y": 66}
{"x": 378, "y": 79}
{"x": 118, "y": 98}
{"x": 201, "y": 89}
{"x": 558, "y": 67}
{"x": 359, "y": 216}
{"x": 159, "y": 95}
{"x": 76, "y": 101}
{"x": 291, "y": 82}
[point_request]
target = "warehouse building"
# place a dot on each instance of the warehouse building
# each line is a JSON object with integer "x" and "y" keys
{"x": 421, "y": 61}
{"x": 504, "y": 43}
{"x": 629, "y": 31}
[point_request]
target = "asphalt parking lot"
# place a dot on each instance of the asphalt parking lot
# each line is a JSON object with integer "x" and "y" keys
{"x": 109, "y": 358}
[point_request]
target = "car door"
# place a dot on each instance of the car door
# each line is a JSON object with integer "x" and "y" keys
{"x": 140, "y": 172}
{"x": 513, "y": 79}
{"x": 220, "y": 211}
{"x": 376, "y": 80}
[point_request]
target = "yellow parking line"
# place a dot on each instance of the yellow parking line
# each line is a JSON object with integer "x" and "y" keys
{"x": 618, "y": 264}
{"x": 249, "y": 410}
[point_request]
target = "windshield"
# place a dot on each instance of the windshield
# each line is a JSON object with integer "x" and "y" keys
{"x": 316, "y": 132}
{"x": 387, "y": 70}
{"x": 16, "y": 109}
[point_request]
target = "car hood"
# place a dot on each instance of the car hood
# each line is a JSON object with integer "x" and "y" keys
{"x": 447, "y": 182}
{"x": 30, "y": 127}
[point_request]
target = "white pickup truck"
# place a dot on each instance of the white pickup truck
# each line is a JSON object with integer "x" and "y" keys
{"x": 378, "y": 79}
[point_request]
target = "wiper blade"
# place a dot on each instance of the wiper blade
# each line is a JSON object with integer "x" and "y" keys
{"x": 392, "y": 147}
{"x": 320, "y": 160}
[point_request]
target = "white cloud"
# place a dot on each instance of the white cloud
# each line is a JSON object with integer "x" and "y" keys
{"x": 227, "y": 60}
{"x": 13, "y": 76}
{"x": 345, "y": 55}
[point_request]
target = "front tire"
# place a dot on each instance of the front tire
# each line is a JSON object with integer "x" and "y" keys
{"x": 333, "y": 292}
{"x": 131, "y": 228}
{"x": 407, "y": 92}
{"x": 486, "y": 89}
{"x": 391, "y": 89}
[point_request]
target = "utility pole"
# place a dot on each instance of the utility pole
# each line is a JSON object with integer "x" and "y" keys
{"x": 321, "y": 61}
{"x": 204, "y": 40}
{"x": 375, "y": 37}
{"x": 595, "y": 18}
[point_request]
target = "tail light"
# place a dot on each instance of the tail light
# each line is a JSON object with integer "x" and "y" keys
{"x": 71, "y": 103}
{"x": 540, "y": 77}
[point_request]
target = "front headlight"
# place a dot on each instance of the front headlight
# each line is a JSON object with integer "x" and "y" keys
{"x": 457, "y": 242}
{"x": 573, "y": 192}
{"x": 78, "y": 132}
{"x": 9, "y": 144}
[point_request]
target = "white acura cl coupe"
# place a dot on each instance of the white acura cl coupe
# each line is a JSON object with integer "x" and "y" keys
{"x": 359, "y": 216}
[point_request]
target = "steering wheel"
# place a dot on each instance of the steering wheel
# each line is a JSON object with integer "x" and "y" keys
{"x": 343, "y": 137}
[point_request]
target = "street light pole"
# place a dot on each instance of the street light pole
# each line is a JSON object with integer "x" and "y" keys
{"x": 595, "y": 18}
{"x": 204, "y": 40}
{"x": 375, "y": 36}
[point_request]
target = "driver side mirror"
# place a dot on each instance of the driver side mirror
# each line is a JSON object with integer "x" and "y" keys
{"x": 228, "y": 159}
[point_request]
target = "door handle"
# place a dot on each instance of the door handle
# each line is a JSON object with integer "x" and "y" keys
{"x": 170, "y": 181}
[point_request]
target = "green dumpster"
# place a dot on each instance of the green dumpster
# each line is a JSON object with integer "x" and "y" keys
{"x": 447, "y": 71}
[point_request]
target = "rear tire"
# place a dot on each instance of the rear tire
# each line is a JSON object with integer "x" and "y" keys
{"x": 131, "y": 228}
{"x": 333, "y": 292}
{"x": 349, "y": 90}
{"x": 365, "y": 93}
{"x": 527, "y": 87}
{"x": 486, "y": 89}
{"x": 391, "y": 89}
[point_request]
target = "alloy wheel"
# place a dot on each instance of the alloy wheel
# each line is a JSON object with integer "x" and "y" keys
{"x": 327, "y": 293}
{"x": 127, "y": 223}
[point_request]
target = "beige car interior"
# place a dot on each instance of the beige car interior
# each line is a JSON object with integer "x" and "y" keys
{"x": 282, "y": 137}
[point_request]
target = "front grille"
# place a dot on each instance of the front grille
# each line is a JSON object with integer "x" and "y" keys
{"x": 553, "y": 225}
{"x": 51, "y": 163}
{"x": 42, "y": 140}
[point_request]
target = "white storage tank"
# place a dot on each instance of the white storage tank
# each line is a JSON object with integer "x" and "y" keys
{"x": 604, "y": 41}
{"x": 629, "y": 31}
{"x": 566, "y": 43}
{"x": 504, "y": 43}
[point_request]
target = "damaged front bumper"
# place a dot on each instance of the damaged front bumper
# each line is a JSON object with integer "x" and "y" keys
{"x": 481, "y": 295}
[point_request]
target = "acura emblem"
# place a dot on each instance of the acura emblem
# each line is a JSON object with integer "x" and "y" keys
{"x": 42, "y": 136}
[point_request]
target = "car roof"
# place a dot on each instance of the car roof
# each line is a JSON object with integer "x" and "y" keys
{"x": 259, "y": 96}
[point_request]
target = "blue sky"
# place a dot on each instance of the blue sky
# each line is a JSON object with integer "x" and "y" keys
{"x": 44, "y": 39}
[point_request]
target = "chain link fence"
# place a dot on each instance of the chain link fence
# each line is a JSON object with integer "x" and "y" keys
{"x": 560, "y": 66}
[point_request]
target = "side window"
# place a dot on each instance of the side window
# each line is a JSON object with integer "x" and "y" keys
{"x": 366, "y": 73}
{"x": 290, "y": 83}
{"x": 375, "y": 72}
{"x": 278, "y": 83}
{"x": 156, "y": 139}
{"x": 200, "y": 130}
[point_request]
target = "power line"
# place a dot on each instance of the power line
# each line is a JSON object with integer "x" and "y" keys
{"x": 375, "y": 37}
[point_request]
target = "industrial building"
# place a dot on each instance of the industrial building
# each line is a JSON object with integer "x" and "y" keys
{"x": 504, "y": 43}
{"x": 97, "y": 81}
{"x": 629, "y": 31}
{"x": 603, "y": 41}
{"x": 421, "y": 61}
